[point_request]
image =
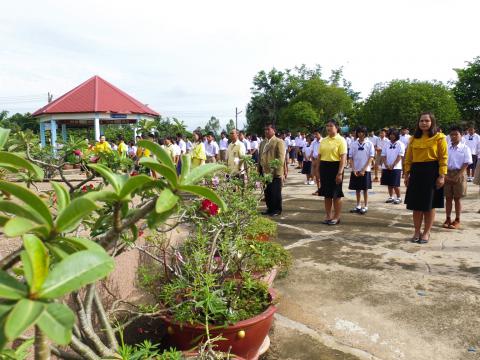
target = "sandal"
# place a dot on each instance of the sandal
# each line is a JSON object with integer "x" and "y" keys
{"x": 415, "y": 239}
{"x": 424, "y": 241}
{"x": 455, "y": 224}
{"x": 334, "y": 222}
{"x": 447, "y": 223}
{"x": 326, "y": 221}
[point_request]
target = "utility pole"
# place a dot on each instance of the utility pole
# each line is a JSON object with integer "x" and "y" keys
{"x": 236, "y": 117}
{"x": 49, "y": 97}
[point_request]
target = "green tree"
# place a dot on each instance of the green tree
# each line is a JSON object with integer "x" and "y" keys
{"x": 19, "y": 122}
{"x": 400, "y": 102}
{"x": 213, "y": 125}
{"x": 300, "y": 115}
{"x": 467, "y": 91}
{"x": 230, "y": 126}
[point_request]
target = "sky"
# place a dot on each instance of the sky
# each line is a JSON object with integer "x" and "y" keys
{"x": 195, "y": 59}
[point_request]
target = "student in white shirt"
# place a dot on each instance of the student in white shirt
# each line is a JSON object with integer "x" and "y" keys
{"x": 254, "y": 145}
{"x": 245, "y": 142}
{"x": 381, "y": 142}
{"x": 223, "y": 146}
{"x": 293, "y": 152}
{"x": 315, "y": 160}
{"x": 405, "y": 136}
{"x": 361, "y": 157}
{"x": 307, "y": 160}
{"x": 211, "y": 149}
{"x": 472, "y": 140}
{"x": 459, "y": 158}
{"x": 392, "y": 155}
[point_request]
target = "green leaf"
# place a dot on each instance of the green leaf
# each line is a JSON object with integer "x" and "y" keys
{"x": 166, "y": 201}
{"x": 102, "y": 195}
{"x": 11, "y": 288}
{"x": 59, "y": 252}
{"x": 21, "y": 163}
{"x": 28, "y": 198}
{"x": 112, "y": 178}
{"x": 186, "y": 165}
{"x": 69, "y": 218}
{"x": 27, "y": 267}
{"x": 77, "y": 270}
{"x": 200, "y": 172}
{"x": 3, "y": 137}
{"x": 132, "y": 184}
{"x": 18, "y": 226}
{"x": 63, "y": 197}
{"x": 23, "y": 210}
{"x": 57, "y": 323}
{"x": 23, "y": 315}
{"x": 83, "y": 244}
{"x": 153, "y": 219}
{"x": 162, "y": 155}
{"x": 206, "y": 193}
{"x": 163, "y": 170}
{"x": 5, "y": 308}
{"x": 39, "y": 261}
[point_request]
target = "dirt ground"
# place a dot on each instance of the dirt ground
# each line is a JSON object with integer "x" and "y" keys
{"x": 361, "y": 290}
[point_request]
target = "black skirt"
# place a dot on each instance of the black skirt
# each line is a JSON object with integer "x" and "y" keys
{"x": 328, "y": 186}
{"x": 422, "y": 194}
{"x": 300, "y": 154}
{"x": 391, "y": 177}
{"x": 360, "y": 182}
{"x": 307, "y": 167}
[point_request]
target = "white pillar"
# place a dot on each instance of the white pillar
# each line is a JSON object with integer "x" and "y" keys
{"x": 64, "y": 132}
{"x": 42, "y": 134}
{"x": 97, "y": 127}
{"x": 53, "y": 131}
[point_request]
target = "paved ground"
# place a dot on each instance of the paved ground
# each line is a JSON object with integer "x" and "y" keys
{"x": 361, "y": 290}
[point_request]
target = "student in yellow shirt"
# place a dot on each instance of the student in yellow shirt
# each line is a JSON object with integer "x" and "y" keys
{"x": 102, "y": 145}
{"x": 198, "y": 150}
{"x": 426, "y": 162}
{"x": 332, "y": 154}
{"x": 122, "y": 147}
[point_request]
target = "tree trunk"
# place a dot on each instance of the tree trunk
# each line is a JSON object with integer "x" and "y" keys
{"x": 42, "y": 349}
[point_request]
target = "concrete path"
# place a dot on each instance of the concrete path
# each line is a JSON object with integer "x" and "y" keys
{"x": 361, "y": 290}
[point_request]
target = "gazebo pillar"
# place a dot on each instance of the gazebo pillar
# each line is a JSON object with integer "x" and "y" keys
{"x": 64, "y": 132}
{"x": 42, "y": 134}
{"x": 53, "y": 130}
{"x": 97, "y": 127}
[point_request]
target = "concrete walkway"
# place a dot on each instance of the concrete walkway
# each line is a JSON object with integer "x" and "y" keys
{"x": 361, "y": 290}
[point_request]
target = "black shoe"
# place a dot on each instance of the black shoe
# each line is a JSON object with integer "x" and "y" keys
{"x": 266, "y": 212}
{"x": 277, "y": 213}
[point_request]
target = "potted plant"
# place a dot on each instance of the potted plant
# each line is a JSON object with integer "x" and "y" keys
{"x": 261, "y": 229}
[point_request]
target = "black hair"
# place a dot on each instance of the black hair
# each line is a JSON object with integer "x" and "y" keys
{"x": 394, "y": 132}
{"x": 456, "y": 128}
{"x": 199, "y": 133}
{"x": 254, "y": 137}
{"x": 270, "y": 125}
{"x": 179, "y": 135}
{"x": 433, "y": 128}
{"x": 210, "y": 133}
{"x": 361, "y": 129}
{"x": 335, "y": 123}
{"x": 120, "y": 138}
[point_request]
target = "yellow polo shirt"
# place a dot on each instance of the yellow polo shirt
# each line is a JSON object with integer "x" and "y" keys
{"x": 102, "y": 147}
{"x": 332, "y": 148}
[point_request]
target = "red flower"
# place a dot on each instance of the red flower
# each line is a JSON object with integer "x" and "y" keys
{"x": 84, "y": 188}
{"x": 140, "y": 233}
{"x": 91, "y": 186}
{"x": 209, "y": 207}
{"x": 133, "y": 173}
{"x": 78, "y": 152}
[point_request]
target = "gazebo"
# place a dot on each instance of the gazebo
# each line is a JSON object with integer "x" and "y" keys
{"x": 93, "y": 103}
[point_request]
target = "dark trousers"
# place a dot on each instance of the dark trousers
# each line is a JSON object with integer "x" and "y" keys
{"x": 273, "y": 195}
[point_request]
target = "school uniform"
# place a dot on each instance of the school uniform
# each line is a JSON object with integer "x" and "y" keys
{"x": 458, "y": 156}
{"x": 330, "y": 153}
{"x": 307, "y": 163}
{"x": 223, "y": 146}
{"x": 472, "y": 141}
{"x": 299, "y": 143}
{"x": 360, "y": 154}
{"x": 380, "y": 144}
{"x": 315, "y": 161}
{"x": 391, "y": 152}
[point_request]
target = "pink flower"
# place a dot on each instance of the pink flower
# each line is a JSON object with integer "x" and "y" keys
{"x": 78, "y": 152}
{"x": 215, "y": 181}
{"x": 91, "y": 186}
{"x": 84, "y": 188}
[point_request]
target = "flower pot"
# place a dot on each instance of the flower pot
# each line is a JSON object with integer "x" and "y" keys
{"x": 67, "y": 166}
{"x": 187, "y": 355}
{"x": 77, "y": 166}
{"x": 244, "y": 339}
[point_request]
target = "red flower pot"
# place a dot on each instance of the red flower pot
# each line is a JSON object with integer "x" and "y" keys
{"x": 243, "y": 339}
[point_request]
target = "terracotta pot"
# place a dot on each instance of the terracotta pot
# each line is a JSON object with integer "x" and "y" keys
{"x": 243, "y": 339}
{"x": 77, "y": 166}
{"x": 67, "y": 166}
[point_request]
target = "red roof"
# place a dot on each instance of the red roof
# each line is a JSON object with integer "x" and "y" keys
{"x": 95, "y": 95}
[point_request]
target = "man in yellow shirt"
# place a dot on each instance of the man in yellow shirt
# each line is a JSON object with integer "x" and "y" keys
{"x": 235, "y": 152}
{"x": 122, "y": 147}
{"x": 102, "y": 145}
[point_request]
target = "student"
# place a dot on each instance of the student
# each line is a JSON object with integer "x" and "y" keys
{"x": 459, "y": 158}
{"x": 307, "y": 161}
{"x": 211, "y": 148}
{"x": 315, "y": 160}
{"x": 472, "y": 140}
{"x": 426, "y": 163}
{"x": 333, "y": 157}
{"x": 223, "y": 145}
{"x": 300, "y": 143}
{"x": 382, "y": 141}
{"x": 254, "y": 145}
{"x": 392, "y": 155}
{"x": 361, "y": 158}
{"x": 122, "y": 148}
{"x": 198, "y": 150}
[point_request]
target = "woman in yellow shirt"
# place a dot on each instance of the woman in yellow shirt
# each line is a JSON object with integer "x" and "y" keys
{"x": 198, "y": 150}
{"x": 332, "y": 154}
{"x": 426, "y": 163}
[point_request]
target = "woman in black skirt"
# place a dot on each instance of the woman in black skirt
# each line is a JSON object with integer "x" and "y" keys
{"x": 426, "y": 163}
{"x": 333, "y": 157}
